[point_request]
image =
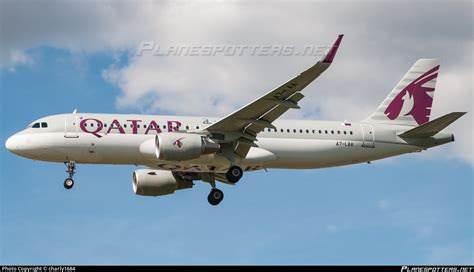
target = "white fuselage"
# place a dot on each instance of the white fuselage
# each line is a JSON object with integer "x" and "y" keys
{"x": 295, "y": 144}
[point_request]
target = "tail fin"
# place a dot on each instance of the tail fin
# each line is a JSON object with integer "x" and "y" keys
{"x": 409, "y": 103}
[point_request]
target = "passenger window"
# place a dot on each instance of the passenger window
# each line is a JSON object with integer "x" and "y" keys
{"x": 307, "y": 131}
{"x": 319, "y": 131}
{"x": 125, "y": 125}
{"x": 138, "y": 126}
{"x": 345, "y": 132}
{"x": 105, "y": 124}
{"x": 92, "y": 124}
{"x": 338, "y": 132}
{"x": 288, "y": 130}
{"x": 332, "y": 131}
{"x": 301, "y": 131}
{"x": 294, "y": 130}
{"x": 326, "y": 131}
{"x": 187, "y": 127}
{"x": 313, "y": 131}
{"x": 281, "y": 130}
{"x": 197, "y": 127}
{"x": 350, "y": 132}
{"x": 36, "y": 125}
{"x": 144, "y": 126}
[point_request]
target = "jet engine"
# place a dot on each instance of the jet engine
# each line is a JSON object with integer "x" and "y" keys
{"x": 183, "y": 146}
{"x": 149, "y": 182}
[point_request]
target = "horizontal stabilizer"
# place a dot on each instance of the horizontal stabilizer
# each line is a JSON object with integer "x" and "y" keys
{"x": 432, "y": 127}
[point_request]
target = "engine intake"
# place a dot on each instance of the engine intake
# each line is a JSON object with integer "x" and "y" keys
{"x": 149, "y": 182}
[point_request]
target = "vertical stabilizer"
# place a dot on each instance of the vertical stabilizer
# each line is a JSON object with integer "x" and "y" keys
{"x": 409, "y": 103}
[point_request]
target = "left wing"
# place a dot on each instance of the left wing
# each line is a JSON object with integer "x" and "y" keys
{"x": 243, "y": 125}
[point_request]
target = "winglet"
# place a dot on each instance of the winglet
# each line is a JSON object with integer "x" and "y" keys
{"x": 332, "y": 53}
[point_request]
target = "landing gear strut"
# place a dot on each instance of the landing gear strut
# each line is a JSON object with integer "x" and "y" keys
{"x": 234, "y": 174}
{"x": 71, "y": 170}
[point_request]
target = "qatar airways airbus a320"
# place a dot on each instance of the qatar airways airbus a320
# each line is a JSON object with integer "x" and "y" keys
{"x": 177, "y": 150}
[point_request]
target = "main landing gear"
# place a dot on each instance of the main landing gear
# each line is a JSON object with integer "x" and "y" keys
{"x": 71, "y": 170}
{"x": 233, "y": 175}
{"x": 215, "y": 196}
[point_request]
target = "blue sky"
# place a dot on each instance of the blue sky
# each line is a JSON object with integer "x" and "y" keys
{"x": 414, "y": 209}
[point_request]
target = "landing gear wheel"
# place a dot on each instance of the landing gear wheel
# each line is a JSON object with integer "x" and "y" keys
{"x": 234, "y": 174}
{"x": 71, "y": 170}
{"x": 215, "y": 197}
{"x": 68, "y": 183}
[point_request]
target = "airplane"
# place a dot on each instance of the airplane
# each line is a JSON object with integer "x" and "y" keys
{"x": 178, "y": 150}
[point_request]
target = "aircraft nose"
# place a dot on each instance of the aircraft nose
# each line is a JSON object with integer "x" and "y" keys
{"x": 12, "y": 144}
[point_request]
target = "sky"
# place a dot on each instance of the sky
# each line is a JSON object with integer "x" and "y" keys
{"x": 57, "y": 56}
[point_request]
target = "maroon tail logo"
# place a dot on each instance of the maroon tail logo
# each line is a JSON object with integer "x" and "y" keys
{"x": 420, "y": 96}
{"x": 178, "y": 142}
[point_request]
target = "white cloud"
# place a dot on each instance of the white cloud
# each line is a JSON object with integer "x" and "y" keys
{"x": 17, "y": 57}
{"x": 382, "y": 41}
{"x": 78, "y": 26}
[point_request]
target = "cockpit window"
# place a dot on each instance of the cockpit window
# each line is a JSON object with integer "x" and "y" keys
{"x": 44, "y": 125}
{"x": 36, "y": 125}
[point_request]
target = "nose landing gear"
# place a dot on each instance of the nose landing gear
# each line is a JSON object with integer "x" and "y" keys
{"x": 71, "y": 170}
{"x": 68, "y": 183}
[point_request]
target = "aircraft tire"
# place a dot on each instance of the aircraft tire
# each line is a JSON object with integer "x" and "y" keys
{"x": 68, "y": 183}
{"x": 234, "y": 174}
{"x": 215, "y": 197}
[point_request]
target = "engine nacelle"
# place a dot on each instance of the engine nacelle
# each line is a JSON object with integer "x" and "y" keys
{"x": 183, "y": 146}
{"x": 149, "y": 182}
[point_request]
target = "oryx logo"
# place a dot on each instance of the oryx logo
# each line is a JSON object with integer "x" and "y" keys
{"x": 421, "y": 99}
{"x": 178, "y": 143}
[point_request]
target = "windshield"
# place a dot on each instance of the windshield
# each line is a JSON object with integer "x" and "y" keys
{"x": 38, "y": 125}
